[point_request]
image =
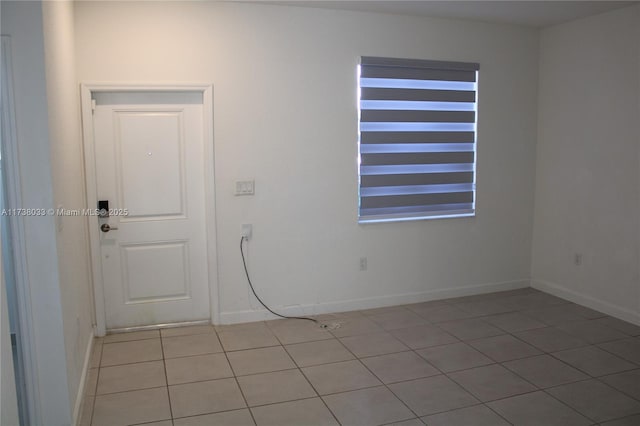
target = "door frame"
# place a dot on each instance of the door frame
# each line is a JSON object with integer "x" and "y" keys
{"x": 87, "y": 90}
{"x": 27, "y": 320}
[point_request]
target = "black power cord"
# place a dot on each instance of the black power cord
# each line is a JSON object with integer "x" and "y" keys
{"x": 246, "y": 271}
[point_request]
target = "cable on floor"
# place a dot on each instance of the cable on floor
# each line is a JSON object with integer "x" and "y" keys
{"x": 246, "y": 271}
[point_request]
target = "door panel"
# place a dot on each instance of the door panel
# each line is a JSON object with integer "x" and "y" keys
{"x": 150, "y": 147}
{"x": 155, "y": 272}
{"x": 150, "y": 162}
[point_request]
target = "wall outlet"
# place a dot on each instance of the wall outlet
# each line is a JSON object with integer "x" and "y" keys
{"x": 577, "y": 260}
{"x": 363, "y": 263}
{"x": 246, "y": 231}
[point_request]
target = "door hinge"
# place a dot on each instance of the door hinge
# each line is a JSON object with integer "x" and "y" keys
{"x": 93, "y": 105}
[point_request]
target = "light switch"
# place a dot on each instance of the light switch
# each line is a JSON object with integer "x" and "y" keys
{"x": 245, "y": 187}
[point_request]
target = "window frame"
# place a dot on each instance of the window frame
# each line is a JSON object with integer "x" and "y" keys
{"x": 397, "y": 75}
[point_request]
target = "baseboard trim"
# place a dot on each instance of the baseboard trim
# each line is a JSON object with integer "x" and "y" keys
{"x": 588, "y": 301}
{"x": 77, "y": 408}
{"x": 158, "y": 326}
{"x": 371, "y": 302}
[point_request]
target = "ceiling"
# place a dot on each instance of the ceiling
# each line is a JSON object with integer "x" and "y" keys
{"x": 529, "y": 13}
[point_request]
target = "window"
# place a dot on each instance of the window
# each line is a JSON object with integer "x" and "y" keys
{"x": 417, "y": 139}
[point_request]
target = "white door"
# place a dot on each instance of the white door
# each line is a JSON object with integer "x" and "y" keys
{"x": 149, "y": 163}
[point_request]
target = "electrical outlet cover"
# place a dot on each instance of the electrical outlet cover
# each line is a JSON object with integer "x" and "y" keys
{"x": 247, "y": 230}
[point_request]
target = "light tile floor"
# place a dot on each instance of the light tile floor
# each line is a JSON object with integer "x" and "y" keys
{"x": 519, "y": 357}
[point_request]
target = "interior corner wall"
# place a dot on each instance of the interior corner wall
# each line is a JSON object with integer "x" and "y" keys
{"x": 63, "y": 98}
{"x": 285, "y": 114}
{"x": 22, "y": 22}
{"x": 587, "y": 180}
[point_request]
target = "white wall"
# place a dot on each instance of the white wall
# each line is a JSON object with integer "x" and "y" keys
{"x": 587, "y": 185}
{"x": 45, "y": 350}
{"x": 285, "y": 114}
{"x": 68, "y": 188}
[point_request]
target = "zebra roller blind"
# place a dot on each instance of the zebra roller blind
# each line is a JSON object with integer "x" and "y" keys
{"x": 417, "y": 139}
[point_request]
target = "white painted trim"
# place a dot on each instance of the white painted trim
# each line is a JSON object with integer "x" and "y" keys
{"x": 147, "y": 87}
{"x": 90, "y": 187}
{"x": 159, "y": 326}
{"x": 372, "y": 302}
{"x": 210, "y": 205}
{"x": 77, "y": 407}
{"x": 90, "y": 173}
{"x": 588, "y": 301}
{"x": 18, "y": 241}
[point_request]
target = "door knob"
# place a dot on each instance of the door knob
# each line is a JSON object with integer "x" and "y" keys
{"x": 105, "y": 227}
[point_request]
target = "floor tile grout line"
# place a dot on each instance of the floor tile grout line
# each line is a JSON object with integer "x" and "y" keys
{"x": 402, "y": 421}
{"x": 93, "y": 405}
{"x": 547, "y": 387}
{"x": 566, "y": 404}
{"x": 335, "y": 393}
{"x": 431, "y": 346}
{"x": 131, "y": 390}
{"x": 372, "y": 356}
{"x": 202, "y": 381}
{"x": 512, "y": 333}
{"x": 590, "y": 377}
{"x": 209, "y": 414}
{"x": 289, "y": 400}
{"x": 538, "y": 388}
{"x": 586, "y": 380}
{"x": 507, "y": 360}
{"x": 478, "y": 404}
{"x": 313, "y": 387}
{"x": 553, "y": 355}
{"x": 133, "y": 363}
{"x": 319, "y": 396}
{"x": 533, "y": 384}
{"x": 497, "y": 413}
{"x": 417, "y": 417}
{"x": 248, "y": 408}
{"x": 166, "y": 378}
{"x": 264, "y": 372}
{"x": 235, "y": 378}
{"x": 441, "y": 372}
{"x": 251, "y": 348}
{"x": 446, "y": 373}
{"x": 615, "y": 354}
{"x": 619, "y": 418}
{"x": 382, "y": 382}
{"x": 619, "y": 390}
{"x": 546, "y": 351}
{"x": 187, "y": 356}
{"x": 323, "y": 363}
{"x": 278, "y": 370}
